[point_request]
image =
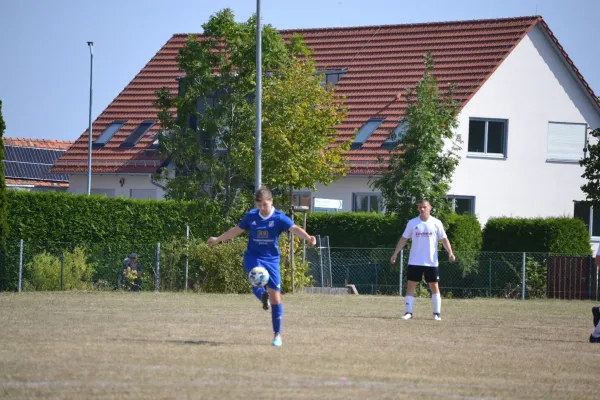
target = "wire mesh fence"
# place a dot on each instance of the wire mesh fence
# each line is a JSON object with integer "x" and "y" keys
{"x": 31, "y": 266}
{"x": 473, "y": 274}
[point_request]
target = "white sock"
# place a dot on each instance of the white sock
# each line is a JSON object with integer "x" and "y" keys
{"x": 436, "y": 300}
{"x": 409, "y": 304}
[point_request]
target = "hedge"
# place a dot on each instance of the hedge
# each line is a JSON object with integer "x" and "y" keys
{"x": 370, "y": 230}
{"x": 349, "y": 229}
{"x": 70, "y": 218}
{"x": 545, "y": 235}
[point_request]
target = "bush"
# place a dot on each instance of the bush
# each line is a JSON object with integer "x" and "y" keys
{"x": 220, "y": 269}
{"x": 544, "y": 235}
{"x": 44, "y": 271}
{"x": 464, "y": 233}
{"x": 349, "y": 229}
{"x": 302, "y": 276}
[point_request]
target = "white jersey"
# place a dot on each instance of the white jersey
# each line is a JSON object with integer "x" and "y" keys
{"x": 424, "y": 236}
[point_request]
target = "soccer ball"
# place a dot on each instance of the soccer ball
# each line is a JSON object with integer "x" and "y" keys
{"x": 258, "y": 276}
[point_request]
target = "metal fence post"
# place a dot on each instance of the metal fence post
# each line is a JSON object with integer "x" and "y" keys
{"x": 157, "y": 272}
{"x": 20, "y": 264}
{"x": 401, "y": 268}
{"x": 329, "y": 261}
{"x": 62, "y": 271}
{"x": 523, "y": 278}
{"x": 490, "y": 278}
{"x": 187, "y": 256}
{"x": 321, "y": 260}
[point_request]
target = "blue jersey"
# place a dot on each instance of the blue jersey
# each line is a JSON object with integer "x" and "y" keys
{"x": 264, "y": 232}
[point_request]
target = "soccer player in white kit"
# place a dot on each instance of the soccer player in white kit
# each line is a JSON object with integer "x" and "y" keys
{"x": 424, "y": 232}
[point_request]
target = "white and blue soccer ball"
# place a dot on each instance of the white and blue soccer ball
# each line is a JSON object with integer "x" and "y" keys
{"x": 258, "y": 276}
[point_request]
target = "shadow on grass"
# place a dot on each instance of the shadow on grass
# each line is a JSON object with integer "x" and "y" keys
{"x": 193, "y": 342}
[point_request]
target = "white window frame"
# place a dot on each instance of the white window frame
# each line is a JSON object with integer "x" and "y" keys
{"x": 368, "y": 194}
{"x": 485, "y": 154}
{"x": 565, "y": 160}
{"x": 453, "y": 198}
{"x": 591, "y": 221}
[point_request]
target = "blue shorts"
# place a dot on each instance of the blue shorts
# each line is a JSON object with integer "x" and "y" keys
{"x": 270, "y": 264}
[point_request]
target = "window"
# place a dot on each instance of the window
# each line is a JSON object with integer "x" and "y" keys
{"x": 137, "y": 134}
{"x": 302, "y": 199}
{"x": 331, "y": 78}
{"x": 365, "y": 132}
{"x": 143, "y": 194}
{"x": 397, "y": 135}
{"x": 566, "y": 141}
{"x": 108, "y": 133}
{"x": 487, "y": 136}
{"x": 585, "y": 212}
{"x": 463, "y": 204}
{"x": 367, "y": 202}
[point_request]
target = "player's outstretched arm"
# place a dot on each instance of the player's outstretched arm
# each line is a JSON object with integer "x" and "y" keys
{"x": 446, "y": 244}
{"x": 301, "y": 233}
{"x": 230, "y": 234}
{"x": 399, "y": 247}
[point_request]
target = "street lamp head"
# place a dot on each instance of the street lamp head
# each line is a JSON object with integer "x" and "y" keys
{"x": 90, "y": 43}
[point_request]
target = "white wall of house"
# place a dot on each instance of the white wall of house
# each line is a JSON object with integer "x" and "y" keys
{"x": 117, "y": 185}
{"x": 343, "y": 189}
{"x": 532, "y": 87}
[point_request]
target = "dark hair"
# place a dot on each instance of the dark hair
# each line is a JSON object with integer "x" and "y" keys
{"x": 423, "y": 201}
{"x": 263, "y": 194}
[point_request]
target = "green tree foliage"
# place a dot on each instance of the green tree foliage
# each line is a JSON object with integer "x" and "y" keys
{"x": 3, "y": 206}
{"x": 421, "y": 168}
{"x": 208, "y": 129}
{"x": 591, "y": 172}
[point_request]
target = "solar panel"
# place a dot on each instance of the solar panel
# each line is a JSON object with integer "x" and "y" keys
{"x": 23, "y": 170}
{"x": 31, "y": 155}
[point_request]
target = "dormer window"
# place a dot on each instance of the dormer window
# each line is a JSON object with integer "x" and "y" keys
{"x": 365, "y": 132}
{"x": 107, "y": 134}
{"x": 137, "y": 134}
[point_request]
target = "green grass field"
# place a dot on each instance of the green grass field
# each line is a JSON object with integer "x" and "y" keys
{"x": 191, "y": 346}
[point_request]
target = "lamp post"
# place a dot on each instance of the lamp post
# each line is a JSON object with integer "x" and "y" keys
{"x": 257, "y": 145}
{"x": 89, "y": 177}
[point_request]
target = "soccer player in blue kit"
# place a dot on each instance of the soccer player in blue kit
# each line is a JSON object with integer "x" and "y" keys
{"x": 265, "y": 224}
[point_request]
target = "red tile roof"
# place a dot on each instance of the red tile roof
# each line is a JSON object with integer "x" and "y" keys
{"x": 29, "y": 182}
{"x": 381, "y": 62}
{"x": 38, "y": 143}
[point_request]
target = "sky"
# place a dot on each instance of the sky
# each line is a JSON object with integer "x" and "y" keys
{"x": 45, "y": 59}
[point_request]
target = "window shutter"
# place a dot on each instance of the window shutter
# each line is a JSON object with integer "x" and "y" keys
{"x": 565, "y": 141}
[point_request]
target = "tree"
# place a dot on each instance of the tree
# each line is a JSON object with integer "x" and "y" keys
{"x": 208, "y": 129}
{"x": 591, "y": 172}
{"x": 3, "y": 207}
{"x": 421, "y": 168}
{"x": 300, "y": 146}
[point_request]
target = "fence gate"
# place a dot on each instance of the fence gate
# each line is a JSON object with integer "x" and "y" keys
{"x": 572, "y": 278}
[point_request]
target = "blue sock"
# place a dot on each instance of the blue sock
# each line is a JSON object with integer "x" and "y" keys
{"x": 258, "y": 291}
{"x": 277, "y": 316}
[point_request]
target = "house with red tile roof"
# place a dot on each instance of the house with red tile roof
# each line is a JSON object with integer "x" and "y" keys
{"x": 526, "y": 110}
{"x": 27, "y": 164}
